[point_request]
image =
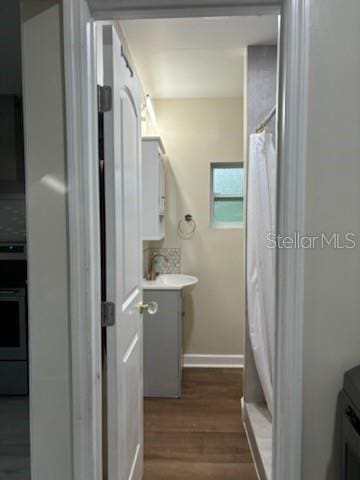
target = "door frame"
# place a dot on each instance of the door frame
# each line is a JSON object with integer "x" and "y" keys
{"x": 79, "y": 35}
{"x": 81, "y": 117}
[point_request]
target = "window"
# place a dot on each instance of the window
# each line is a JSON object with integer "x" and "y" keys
{"x": 227, "y": 194}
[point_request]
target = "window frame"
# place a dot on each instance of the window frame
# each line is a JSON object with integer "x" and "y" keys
{"x": 214, "y": 197}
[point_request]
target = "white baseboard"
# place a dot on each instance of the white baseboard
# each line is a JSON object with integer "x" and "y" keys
{"x": 191, "y": 360}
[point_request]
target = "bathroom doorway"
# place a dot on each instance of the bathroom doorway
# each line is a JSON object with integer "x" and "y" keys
{"x": 206, "y": 85}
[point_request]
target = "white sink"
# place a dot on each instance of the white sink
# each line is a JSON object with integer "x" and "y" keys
{"x": 171, "y": 281}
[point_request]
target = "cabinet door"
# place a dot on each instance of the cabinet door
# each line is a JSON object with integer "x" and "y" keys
{"x": 162, "y": 337}
{"x": 12, "y": 176}
{"x": 162, "y": 196}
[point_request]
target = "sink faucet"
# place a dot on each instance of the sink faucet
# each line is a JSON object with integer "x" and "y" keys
{"x": 152, "y": 274}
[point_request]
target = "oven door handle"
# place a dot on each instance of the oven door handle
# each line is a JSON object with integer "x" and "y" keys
{"x": 8, "y": 292}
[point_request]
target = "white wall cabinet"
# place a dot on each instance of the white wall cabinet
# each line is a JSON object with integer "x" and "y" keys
{"x": 153, "y": 193}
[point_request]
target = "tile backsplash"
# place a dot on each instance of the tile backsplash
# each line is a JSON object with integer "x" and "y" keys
{"x": 173, "y": 265}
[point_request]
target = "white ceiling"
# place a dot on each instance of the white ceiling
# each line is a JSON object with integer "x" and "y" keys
{"x": 195, "y": 57}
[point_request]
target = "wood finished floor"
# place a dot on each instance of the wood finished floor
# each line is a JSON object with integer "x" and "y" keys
{"x": 200, "y": 436}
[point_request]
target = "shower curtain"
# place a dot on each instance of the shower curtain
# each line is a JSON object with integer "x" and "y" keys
{"x": 261, "y": 221}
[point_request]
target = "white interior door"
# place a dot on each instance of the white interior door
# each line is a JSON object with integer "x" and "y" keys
{"x": 124, "y": 258}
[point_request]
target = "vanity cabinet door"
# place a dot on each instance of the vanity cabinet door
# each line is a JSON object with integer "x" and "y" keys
{"x": 162, "y": 345}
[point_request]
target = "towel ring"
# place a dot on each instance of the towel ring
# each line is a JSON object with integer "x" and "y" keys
{"x": 186, "y": 227}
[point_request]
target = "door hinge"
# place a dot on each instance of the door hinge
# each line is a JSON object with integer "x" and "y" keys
{"x": 107, "y": 314}
{"x": 104, "y": 98}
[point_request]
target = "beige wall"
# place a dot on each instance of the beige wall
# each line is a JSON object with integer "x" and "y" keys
{"x": 46, "y": 199}
{"x": 197, "y": 132}
{"x": 332, "y": 277}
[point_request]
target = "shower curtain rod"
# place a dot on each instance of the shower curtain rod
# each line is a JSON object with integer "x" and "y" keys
{"x": 262, "y": 125}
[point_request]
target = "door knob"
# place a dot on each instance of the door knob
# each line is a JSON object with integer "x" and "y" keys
{"x": 151, "y": 308}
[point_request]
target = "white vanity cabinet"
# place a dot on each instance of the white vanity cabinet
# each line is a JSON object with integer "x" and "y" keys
{"x": 153, "y": 193}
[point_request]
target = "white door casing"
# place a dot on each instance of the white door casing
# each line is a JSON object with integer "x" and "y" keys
{"x": 81, "y": 116}
{"x": 124, "y": 261}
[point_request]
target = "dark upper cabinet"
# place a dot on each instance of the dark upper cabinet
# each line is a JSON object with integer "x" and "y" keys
{"x": 12, "y": 169}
